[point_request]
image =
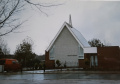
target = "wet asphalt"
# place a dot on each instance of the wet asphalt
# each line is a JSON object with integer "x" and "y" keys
{"x": 40, "y": 75}
{"x": 60, "y": 77}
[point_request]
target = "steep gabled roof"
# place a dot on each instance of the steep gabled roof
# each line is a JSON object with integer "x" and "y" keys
{"x": 76, "y": 34}
{"x": 80, "y": 37}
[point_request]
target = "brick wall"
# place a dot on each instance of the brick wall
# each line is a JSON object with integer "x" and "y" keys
{"x": 48, "y": 63}
{"x": 108, "y": 58}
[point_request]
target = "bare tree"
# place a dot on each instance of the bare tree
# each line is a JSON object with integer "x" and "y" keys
{"x": 4, "y": 47}
{"x": 9, "y": 9}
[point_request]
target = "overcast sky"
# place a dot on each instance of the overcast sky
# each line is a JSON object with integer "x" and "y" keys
{"x": 94, "y": 19}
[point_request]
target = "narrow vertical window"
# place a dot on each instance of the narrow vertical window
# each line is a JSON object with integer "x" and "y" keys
{"x": 92, "y": 61}
{"x": 51, "y": 55}
{"x": 80, "y": 52}
{"x": 96, "y": 61}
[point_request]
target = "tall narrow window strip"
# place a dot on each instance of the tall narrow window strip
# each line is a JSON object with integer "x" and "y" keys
{"x": 52, "y": 53}
{"x": 96, "y": 61}
{"x": 92, "y": 61}
{"x": 80, "y": 52}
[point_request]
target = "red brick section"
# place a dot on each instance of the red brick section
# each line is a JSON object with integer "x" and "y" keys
{"x": 108, "y": 58}
{"x": 82, "y": 61}
{"x": 48, "y": 63}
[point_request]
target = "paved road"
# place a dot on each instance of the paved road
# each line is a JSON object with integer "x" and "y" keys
{"x": 65, "y": 81}
{"x": 36, "y": 77}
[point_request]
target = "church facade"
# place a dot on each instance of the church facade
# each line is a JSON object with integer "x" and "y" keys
{"x": 72, "y": 49}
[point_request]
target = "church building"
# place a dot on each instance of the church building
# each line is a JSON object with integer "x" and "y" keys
{"x": 71, "y": 48}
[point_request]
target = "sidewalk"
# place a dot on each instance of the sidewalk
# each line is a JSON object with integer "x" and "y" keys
{"x": 64, "y": 71}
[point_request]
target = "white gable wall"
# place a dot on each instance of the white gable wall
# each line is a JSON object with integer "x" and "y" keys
{"x": 76, "y": 34}
{"x": 66, "y": 48}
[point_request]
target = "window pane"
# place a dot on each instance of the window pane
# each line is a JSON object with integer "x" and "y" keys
{"x": 80, "y": 52}
{"x": 92, "y": 61}
{"x": 2, "y": 62}
{"x": 51, "y": 55}
{"x": 13, "y": 62}
{"x": 96, "y": 61}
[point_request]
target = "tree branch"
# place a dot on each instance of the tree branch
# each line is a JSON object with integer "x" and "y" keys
{"x": 8, "y": 8}
{"x": 10, "y": 13}
{"x": 12, "y": 29}
{"x": 42, "y": 5}
{"x": 38, "y": 6}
